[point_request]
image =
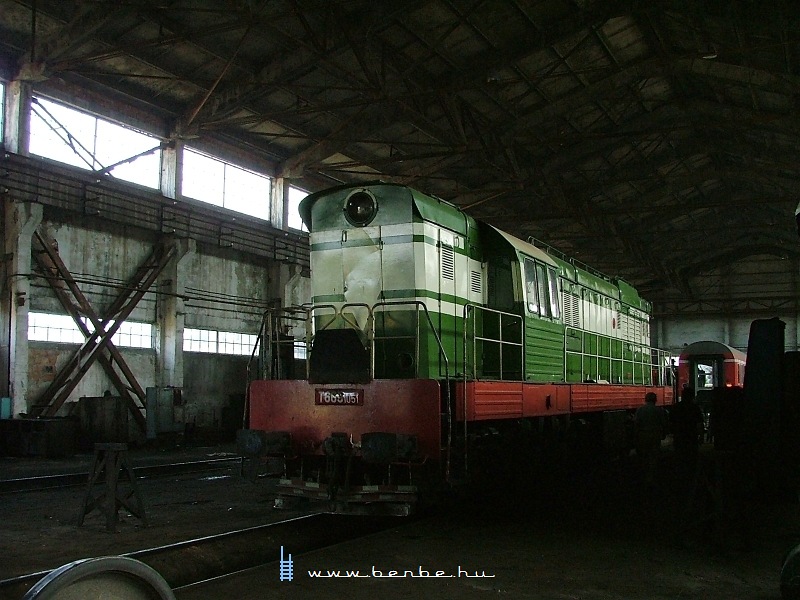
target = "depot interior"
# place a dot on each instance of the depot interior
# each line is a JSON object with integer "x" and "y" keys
{"x": 162, "y": 150}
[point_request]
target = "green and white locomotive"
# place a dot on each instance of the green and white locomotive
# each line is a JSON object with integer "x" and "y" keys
{"x": 425, "y": 328}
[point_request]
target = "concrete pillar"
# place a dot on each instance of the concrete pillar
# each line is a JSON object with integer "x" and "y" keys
{"x": 17, "y": 117}
{"x": 172, "y": 170}
{"x": 20, "y": 222}
{"x": 277, "y": 202}
{"x": 171, "y": 316}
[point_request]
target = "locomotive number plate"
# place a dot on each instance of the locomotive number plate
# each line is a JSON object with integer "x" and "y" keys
{"x": 325, "y": 397}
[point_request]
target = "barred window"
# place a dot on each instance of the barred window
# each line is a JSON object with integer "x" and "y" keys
{"x": 200, "y": 340}
{"x": 236, "y": 343}
{"x": 47, "y": 327}
{"x": 293, "y": 220}
{"x": 218, "y": 342}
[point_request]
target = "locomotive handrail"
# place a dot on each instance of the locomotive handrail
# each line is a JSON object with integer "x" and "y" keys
{"x": 311, "y": 327}
{"x": 249, "y": 370}
{"x": 470, "y": 307}
{"x": 651, "y": 358}
{"x": 414, "y": 337}
{"x": 443, "y": 354}
{"x": 369, "y": 329}
{"x": 419, "y": 303}
{"x": 265, "y": 338}
{"x": 310, "y": 310}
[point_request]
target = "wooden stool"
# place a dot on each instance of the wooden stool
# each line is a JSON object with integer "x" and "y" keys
{"x": 109, "y": 461}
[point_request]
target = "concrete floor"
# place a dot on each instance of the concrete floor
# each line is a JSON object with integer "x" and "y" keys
{"x": 587, "y": 533}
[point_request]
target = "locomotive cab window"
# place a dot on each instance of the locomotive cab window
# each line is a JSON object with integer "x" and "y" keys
{"x": 555, "y": 310}
{"x": 541, "y": 283}
{"x": 531, "y": 289}
{"x": 541, "y": 289}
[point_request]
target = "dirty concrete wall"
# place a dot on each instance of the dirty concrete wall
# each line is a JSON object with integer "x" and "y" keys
{"x": 214, "y": 386}
{"x": 45, "y": 359}
{"x": 223, "y": 292}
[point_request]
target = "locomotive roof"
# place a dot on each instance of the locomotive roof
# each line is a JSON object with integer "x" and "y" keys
{"x": 527, "y": 248}
{"x": 429, "y": 207}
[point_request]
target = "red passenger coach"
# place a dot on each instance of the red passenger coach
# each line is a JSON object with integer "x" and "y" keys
{"x": 706, "y": 365}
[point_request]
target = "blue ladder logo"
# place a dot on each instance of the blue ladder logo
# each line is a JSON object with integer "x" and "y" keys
{"x": 286, "y": 567}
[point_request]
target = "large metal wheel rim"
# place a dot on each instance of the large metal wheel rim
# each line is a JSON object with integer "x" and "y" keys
{"x": 107, "y": 577}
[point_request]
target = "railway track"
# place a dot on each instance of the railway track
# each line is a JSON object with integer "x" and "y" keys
{"x": 43, "y": 482}
{"x": 192, "y": 562}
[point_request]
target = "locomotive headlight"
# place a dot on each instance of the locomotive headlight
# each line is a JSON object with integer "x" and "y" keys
{"x": 360, "y": 207}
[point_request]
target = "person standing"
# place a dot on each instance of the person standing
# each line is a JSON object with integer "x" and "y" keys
{"x": 686, "y": 420}
{"x": 650, "y": 424}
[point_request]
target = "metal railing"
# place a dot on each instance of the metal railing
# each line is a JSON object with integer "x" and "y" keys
{"x": 273, "y": 323}
{"x": 516, "y": 345}
{"x": 480, "y": 340}
{"x": 650, "y": 360}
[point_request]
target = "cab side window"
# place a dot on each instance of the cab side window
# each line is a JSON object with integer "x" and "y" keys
{"x": 555, "y": 309}
{"x": 541, "y": 289}
{"x": 541, "y": 283}
{"x": 531, "y": 286}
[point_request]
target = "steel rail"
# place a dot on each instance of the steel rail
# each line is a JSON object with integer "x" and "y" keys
{"x": 202, "y": 559}
{"x": 43, "y": 482}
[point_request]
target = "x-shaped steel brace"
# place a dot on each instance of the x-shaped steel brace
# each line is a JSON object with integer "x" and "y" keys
{"x": 66, "y": 289}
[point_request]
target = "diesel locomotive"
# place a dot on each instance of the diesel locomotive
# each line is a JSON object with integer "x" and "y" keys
{"x": 427, "y": 332}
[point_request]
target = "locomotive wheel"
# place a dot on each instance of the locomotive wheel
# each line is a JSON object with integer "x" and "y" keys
{"x": 108, "y": 577}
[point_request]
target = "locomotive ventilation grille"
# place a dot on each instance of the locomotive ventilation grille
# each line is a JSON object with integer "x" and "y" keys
{"x": 475, "y": 282}
{"x": 572, "y": 314}
{"x": 448, "y": 263}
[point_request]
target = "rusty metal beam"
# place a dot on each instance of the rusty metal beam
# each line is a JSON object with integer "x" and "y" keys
{"x": 69, "y": 377}
{"x": 61, "y": 280}
{"x": 87, "y": 21}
